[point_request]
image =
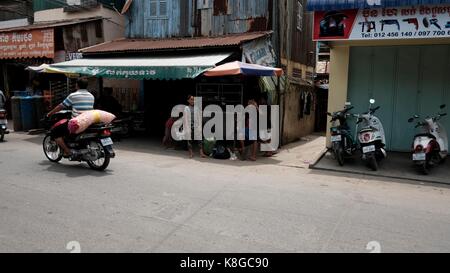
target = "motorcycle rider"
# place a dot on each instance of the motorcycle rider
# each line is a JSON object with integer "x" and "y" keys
{"x": 79, "y": 101}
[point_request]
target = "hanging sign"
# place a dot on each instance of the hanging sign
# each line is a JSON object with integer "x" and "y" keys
{"x": 27, "y": 44}
{"x": 411, "y": 22}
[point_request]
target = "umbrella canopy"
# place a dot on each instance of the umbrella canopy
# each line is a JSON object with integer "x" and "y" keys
{"x": 240, "y": 68}
{"x": 45, "y": 68}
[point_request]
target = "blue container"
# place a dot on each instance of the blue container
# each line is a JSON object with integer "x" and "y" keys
{"x": 28, "y": 113}
{"x": 21, "y": 93}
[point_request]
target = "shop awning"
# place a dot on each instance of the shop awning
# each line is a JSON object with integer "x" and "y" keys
{"x": 326, "y": 5}
{"x": 158, "y": 67}
{"x": 240, "y": 68}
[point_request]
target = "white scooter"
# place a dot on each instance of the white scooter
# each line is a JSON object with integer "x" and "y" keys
{"x": 430, "y": 147}
{"x": 371, "y": 137}
{"x": 3, "y": 124}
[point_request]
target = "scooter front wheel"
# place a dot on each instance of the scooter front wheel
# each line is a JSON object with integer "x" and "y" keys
{"x": 424, "y": 168}
{"x": 373, "y": 164}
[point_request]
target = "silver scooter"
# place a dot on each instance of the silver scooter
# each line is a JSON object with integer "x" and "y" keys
{"x": 430, "y": 147}
{"x": 371, "y": 137}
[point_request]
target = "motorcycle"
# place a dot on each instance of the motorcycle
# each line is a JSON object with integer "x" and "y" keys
{"x": 371, "y": 137}
{"x": 343, "y": 143}
{"x": 3, "y": 125}
{"x": 430, "y": 147}
{"x": 93, "y": 146}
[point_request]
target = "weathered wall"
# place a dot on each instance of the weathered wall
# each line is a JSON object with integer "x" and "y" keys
{"x": 12, "y": 10}
{"x": 298, "y": 59}
{"x": 295, "y": 124}
{"x": 113, "y": 26}
{"x": 82, "y": 35}
{"x": 198, "y": 18}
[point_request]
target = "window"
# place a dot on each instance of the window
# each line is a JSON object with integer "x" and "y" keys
{"x": 299, "y": 16}
{"x": 158, "y": 8}
{"x": 84, "y": 33}
{"x": 98, "y": 29}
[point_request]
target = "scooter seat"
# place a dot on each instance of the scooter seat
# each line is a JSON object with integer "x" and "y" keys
{"x": 426, "y": 135}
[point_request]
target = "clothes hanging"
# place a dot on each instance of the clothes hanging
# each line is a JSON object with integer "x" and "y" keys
{"x": 301, "y": 105}
{"x": 308, "y": 103}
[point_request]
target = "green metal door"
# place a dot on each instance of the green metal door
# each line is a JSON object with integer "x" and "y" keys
{"x": 404, "y": 80}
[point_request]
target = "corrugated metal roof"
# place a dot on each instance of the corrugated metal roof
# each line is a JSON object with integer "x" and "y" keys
{"x": 325, "y": 5}
{"x": 131, "y": 45}
{"x": 51, "y": 24}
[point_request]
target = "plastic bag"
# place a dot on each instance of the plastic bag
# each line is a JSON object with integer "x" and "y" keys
{"x": 84, "y": 120}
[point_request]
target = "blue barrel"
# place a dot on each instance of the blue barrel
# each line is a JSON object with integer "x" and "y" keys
{"x": 16, "y": 113}
{"x": 28, "y": 113}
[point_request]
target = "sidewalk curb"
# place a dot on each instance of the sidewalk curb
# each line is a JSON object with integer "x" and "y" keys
{"x": 318, "y": 158}
{"x": 375, "y": 174}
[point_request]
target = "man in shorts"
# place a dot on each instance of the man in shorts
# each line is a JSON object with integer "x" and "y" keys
{"x": 80, "y": 101}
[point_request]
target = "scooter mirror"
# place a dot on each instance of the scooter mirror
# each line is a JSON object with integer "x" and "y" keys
{"x": 443, "y": 106}
{"x": 372, "y": 101}
{"x": 416, "y": 116}
{"x": 410, "y": 120}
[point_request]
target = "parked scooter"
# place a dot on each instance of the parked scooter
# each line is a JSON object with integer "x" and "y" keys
{"x": 371, "y": 137}
{"x": 93, "y": 146}
{"x": 343, "y": 143}
{"x": 430, "y": 147}
{"x": 3, "y": 125}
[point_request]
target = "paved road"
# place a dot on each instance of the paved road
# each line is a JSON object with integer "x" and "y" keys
{"x": 152, "y": 200}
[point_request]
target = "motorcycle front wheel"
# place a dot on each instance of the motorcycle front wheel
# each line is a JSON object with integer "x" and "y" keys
{"x": 373, "y": 164}
{"x": 51, "y": 149}
{"x": 424, "y": 168}
{"x": 102, "y": 162}
{"x": 340, "y": 156}
{"x": 338, "y": 153}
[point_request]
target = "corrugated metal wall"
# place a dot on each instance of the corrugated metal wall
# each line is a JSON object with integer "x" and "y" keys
{"x": 199, "y": 18}
{"x": 404, "y": 80}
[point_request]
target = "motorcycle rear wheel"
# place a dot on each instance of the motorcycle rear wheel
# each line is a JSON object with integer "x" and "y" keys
{"x": 102, "y": 163}
{"x": 52, "y": 150}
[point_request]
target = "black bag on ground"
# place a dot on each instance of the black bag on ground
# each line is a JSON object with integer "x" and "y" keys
{"x": 220, "y": 152}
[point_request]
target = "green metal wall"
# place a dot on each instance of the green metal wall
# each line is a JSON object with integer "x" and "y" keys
{"x": 404, "y": 80}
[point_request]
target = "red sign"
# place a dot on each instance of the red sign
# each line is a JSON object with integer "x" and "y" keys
{"x": 27, "y": 44}
{"x": 334, "y": 25}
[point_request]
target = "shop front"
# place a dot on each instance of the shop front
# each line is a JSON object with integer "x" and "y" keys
{"x": 397, "y": 53}
{"x": 164, "y": 72}
{"x": 25, "y": 51}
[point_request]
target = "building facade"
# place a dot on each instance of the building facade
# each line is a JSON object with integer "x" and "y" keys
{"x": 288, "y": 43}
{"x": 396, "y": 52}
{"x": 39, "y": 32}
